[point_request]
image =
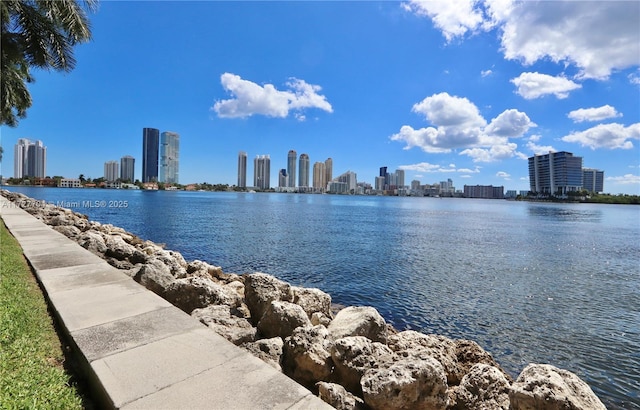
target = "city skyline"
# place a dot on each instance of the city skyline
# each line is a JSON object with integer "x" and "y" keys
{"x": 469, "y": 97}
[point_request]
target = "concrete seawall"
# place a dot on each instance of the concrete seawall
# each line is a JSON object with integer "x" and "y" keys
{"x": 136, "y": 349}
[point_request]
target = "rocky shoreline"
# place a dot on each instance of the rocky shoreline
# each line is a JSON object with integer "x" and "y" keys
{"x": 350, "y": 357}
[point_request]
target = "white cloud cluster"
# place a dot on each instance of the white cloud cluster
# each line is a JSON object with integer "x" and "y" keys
{"x": 426, "y": 167}
{"x": 502, "y": 174}
{"x": 596, "y": 37}
{"x": 594, "y": 114}
{"x": 611, "y": 136}
{"x": 457, "y": 123}
{"x": 535, "y": 85}
{"x": 627, "y": 179}
{"x": 250, "y": 98}
{"x": 538, "y": 149}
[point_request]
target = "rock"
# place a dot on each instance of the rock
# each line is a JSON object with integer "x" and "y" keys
{"x": 60, "y": 220}
{"x": 261, "y": 289}
{"x": 484, "y": 387}
{"x": 306, "y": 355}
{"x": 542, "y": 386}
{"x": 69, "y": 231}
{"x": 312, "y": 300}
{"x": 119, "y": 264}
{"x": 173, "y": 260}
{"x": 414, "y": 344}
{"x": 268, "y": 350}
{"x": 469, "y": 353}
{"x": 195, "y": 292}
{"x": 353, "y": 355}
{"x": 406, "y": 384}
{"x": 155, "y": 276}
{"x": 359, "y": 321}
{"x": 319, "y": 318}
{"x": 237, "y": 287}
{"x": 281, "y": 318}
{"x": 118, "y": 248}
{"x": 338, "y": 397}
{"x": 219, "y": 318}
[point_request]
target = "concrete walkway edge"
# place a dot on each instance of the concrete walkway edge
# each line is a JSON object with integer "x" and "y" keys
{"x": 138, "y": 351}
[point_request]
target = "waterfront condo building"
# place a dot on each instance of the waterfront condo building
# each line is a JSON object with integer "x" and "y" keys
{"x": 169, "y": 157}
{"x": 328, "y": 169}
{"x": 111, "y": 171}
{"x": 242, "y": 169}
{"x": 29, "y": 159}
{"x": 593, "y": 180}
{"x": 555, "y": 173}
{"x": 127, "y": 168}
{"x": 262, "y": 172}
{"x": 291, "y": 168}
{"x": 484, "y": 191}
{"x": 319, "y": 177}
{"x": 303, "y": 180}
{"x": 283, "y": 181}
{"x": 150, "y": 147}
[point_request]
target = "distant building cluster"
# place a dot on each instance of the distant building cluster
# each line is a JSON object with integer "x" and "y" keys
{"x": 559, "y": 173}
{"x": 29, "y": 159}
{"x": 160, "y": 156}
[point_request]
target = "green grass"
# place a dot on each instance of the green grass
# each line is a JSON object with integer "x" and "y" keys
{"x": 32, "y": 374}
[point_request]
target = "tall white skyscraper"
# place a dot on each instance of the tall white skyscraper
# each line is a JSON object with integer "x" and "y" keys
{"x": 169, "y": 157}
{"x": 328, "y": 169}
{"x": 29, "y": 159}
{"x": 291, "y": 168}
{"x": 400, "y": 178}
{"x": 262, "y": 172}
{"x": 127, "y": 168}
{"x": 303, "y": 180}
{"x": 242, "y": 169}
{"x": 111, "y": 171}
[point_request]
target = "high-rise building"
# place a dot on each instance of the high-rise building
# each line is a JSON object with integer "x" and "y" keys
{"x": 400, "y": 178}
{"x": 328, "y": 169}
{"x": 380, "y": 183}
{"x": 484, "y": 191}
{"x": 385, "y": 175}
{"x": 291, "y": 168}
{"x": 593, "y": 180}
{"x": 283, "y": 180}
{"x": 169, "y": 157}
{"x": 555, "y": 173}
{"x": 150, "y": 147}
{"x": 127, "y": 168}
{"x": 29, "y": 159}
{"x": 242, "y": 169}
{"x": 303, "y": 181}
{"x": 319, "y": 177}
{"x": 345, "y": 183}
{"x": 111, "y": 171}
{"x": 262, "y": 172}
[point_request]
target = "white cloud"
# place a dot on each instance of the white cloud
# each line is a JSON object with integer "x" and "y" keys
{"x": 428, "y": 168}
{"x": 634, "y": 79}
{"x": 594, "y": 114}
{"x": 457, "y": 123}
{"x": 504, "y": 175}
{"x": 626, "y": 179}
{"x": 453, "y": 17}
{"x": 486, "y": 73}
{"x": 536, "y": 85}
{"x": 250, "y": 98}
{"x": 597, "y": 38}
{"x": 611, "y": 136}
{"x": 538, "y": 149}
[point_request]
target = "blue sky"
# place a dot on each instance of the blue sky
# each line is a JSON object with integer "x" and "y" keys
{"x": 460, "y": 90}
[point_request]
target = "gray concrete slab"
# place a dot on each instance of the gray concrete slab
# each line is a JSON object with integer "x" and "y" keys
{"x": 138, "y": 372}
{"x": 49, "y": 247}
{"x": 100, "y": 341}
{"x": 53, "y": 260}
{"x": 80, "y": 276}
{"x": 92, "y": 306}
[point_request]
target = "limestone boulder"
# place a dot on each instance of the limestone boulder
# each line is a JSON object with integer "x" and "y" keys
{"x": 312, "y": 300}
{"x": 118, "y": 248}
{"x": 307, "y": 355}
{"x": 484, "y": 387}
{"x": 155, "y": 276}
{"x": 338, "y": 397}
{"x": 319, "y": 318}
{"x": 61, "y": 219}
{"x": 173, "y": 260}
{"x": 359, "y": 321}
{"x": 281, "y": 318}
{"x": 353, "y": 356}
{"x": 261, "y": 289}
{"x": 470, "y": 353}
{"x": 69, "y": 231}
{"x": 196, "y": 292}
{"x": 542, "y": 386}
{"x": 415, "y": 344}
{"x": 409, "y": 383}
{"x": 268, "y": 350}
{"x": 220, "y": 319}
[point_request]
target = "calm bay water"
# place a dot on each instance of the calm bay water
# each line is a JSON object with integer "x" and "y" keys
{"x": 530, "y": 282}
